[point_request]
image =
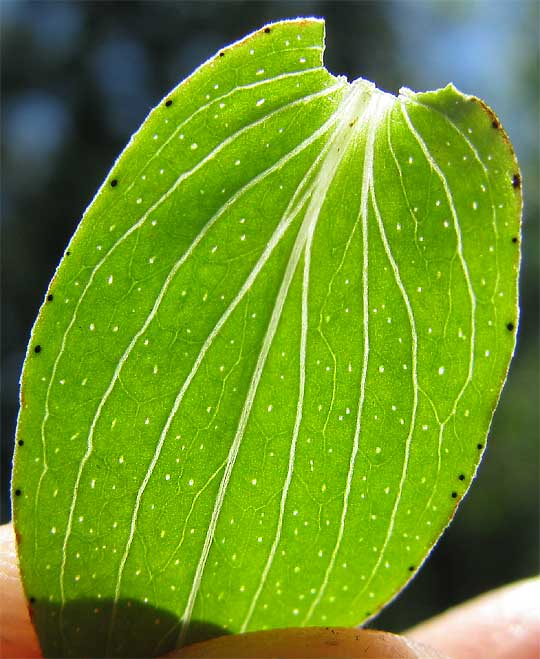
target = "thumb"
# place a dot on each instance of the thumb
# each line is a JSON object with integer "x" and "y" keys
{"x": 309, "y": 642}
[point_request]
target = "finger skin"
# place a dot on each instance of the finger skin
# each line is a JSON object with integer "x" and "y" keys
{"x": 17, "y": 636}
{"x": 304, "y": 643}
{"x": 502, "y": 624}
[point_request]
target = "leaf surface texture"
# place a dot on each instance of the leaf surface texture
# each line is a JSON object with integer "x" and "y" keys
{"x": 265, "y": 369}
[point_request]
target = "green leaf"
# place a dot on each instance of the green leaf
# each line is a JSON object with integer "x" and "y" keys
{"x": 265, "y": 369}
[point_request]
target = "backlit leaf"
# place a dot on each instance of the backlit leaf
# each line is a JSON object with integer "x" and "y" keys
{"x": 265, "y": 369}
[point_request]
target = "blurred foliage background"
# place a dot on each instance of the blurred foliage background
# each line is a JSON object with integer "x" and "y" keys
{"x": 78, "y": 78}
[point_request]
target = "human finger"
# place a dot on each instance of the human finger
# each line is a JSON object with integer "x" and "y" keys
{"x": 17, "y": 636}
{"x": 501, "y": 624}
{"x": 308, "y": 642}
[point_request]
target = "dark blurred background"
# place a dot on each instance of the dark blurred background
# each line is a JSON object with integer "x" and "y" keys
{"x": 78, "y": 78}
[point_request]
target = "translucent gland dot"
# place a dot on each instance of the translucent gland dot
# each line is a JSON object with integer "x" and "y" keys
{"x": 441, "y": 370}
{"x": 260, "y": 102}
{"x": 194, "y": 146}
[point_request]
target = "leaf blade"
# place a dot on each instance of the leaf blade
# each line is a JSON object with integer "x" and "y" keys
{"x": 254, "y": 341}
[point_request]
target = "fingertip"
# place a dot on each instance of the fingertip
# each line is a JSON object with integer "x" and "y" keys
{"x": 306, "y": 643}
{"x": 501, "y": 624}
{"x": 17, "y": 635}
